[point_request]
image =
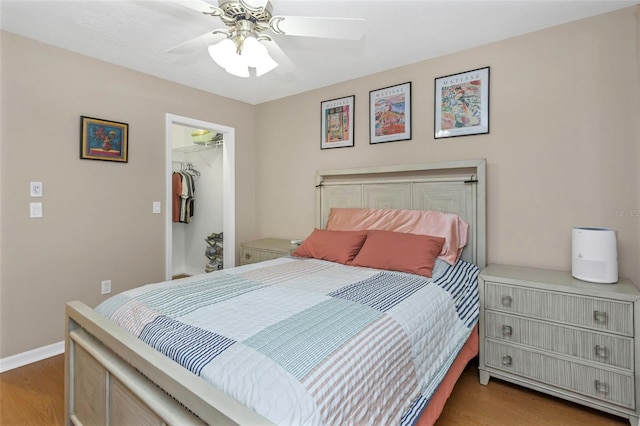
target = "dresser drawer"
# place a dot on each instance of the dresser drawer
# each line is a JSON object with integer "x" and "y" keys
{"x": 606, "y": 349}
{"x": 600, "y": 384}
{"x": 597, "y": 314}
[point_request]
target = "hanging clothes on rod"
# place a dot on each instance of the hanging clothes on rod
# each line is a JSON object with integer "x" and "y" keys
{"x": 183, "y": 191}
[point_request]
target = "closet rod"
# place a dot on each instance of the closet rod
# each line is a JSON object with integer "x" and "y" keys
{"x": 184, "y": 166}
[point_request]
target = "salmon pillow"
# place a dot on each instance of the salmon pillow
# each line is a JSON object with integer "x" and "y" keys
{"x": 334, "y": 246}
{"x": 399, "y": 251}
{"x": 422, "y": 222}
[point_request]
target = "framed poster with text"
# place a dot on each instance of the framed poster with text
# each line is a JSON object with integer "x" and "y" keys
{"x": 390, "y": 114}
{"x": 337, "y": 122}
{"x": 462, "y": 104}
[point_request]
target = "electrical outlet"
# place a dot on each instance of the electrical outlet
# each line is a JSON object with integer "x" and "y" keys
{"x": 106, "y": 287}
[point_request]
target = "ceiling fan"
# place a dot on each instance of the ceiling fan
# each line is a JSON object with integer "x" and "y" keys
{"x": 246, "y": 44}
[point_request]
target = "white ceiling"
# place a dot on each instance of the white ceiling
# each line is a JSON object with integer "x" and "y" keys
{"x": 137, "y": 34}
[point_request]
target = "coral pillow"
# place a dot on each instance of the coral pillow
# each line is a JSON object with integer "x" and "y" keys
{"x": 399, "y": 251}
{"x": 335, "y": 246}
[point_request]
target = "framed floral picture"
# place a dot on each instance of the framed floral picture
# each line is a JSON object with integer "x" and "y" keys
{"x": 103, "y": 140}
{"x": 337, "y": 122}
{"x": 462, "y": 104}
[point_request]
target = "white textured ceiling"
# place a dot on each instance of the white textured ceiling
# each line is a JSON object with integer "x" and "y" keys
{"x": 137, "y": 34}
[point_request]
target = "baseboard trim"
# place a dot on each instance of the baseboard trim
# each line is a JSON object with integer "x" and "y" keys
{"x": 24, "y": 358}
{"x": 193, "y": 271}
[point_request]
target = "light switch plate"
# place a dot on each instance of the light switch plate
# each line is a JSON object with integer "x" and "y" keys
{"x": 156, "y": 207}
{"x": 35, "y": 210}
{"x": 35, "y": 189}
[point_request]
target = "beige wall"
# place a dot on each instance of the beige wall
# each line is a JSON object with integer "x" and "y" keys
{"x": 97, "y": 220}
{"x": 562, "y": 150}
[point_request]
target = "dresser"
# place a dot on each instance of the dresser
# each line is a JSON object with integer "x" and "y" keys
{"x": 573, "y": 339}
{"x": 265, "y": 249}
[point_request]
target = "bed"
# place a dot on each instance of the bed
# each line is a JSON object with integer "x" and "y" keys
{"x": 127, "y": 362}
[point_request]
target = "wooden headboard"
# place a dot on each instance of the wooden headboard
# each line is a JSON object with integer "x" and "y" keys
{"x": 457, "y": 187}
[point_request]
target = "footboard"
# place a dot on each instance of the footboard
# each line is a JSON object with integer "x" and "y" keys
{"x": 111, "y": 377}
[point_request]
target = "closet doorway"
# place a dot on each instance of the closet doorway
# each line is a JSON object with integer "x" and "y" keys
{"x": 213, "y": 167}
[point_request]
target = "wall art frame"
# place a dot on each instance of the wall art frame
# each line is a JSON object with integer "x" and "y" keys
{"x": 390, "y": 114}
{"x": 462, "y": 104}
{"x": 103, "y": 140}
{"x": 336, "y": 120}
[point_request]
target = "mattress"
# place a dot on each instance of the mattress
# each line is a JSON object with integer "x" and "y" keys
{"x": 311, "y": 342}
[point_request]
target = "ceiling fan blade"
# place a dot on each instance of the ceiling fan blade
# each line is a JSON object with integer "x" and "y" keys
{"x": 285, "y": 64}
{"x": 198, "y": 5}
{"x": 307, "y": 26}
{"x": 196, "y": 44}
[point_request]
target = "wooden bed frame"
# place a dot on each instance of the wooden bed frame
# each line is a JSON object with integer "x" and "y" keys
{"x": 114, "y": 378}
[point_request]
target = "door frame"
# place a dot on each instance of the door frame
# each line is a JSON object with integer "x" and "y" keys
{"x": 228, "y": 187}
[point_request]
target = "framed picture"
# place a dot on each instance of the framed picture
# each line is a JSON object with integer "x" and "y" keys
{"x": 462, "y": 104}
{"x": 337, "y": 122}
{"x": 103, "y": 140}
{"x": 390, "y": 114}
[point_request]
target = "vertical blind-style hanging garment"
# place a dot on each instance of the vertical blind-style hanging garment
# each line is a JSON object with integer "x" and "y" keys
{"x": 182, "y": 194}
{"x": 176, "y": 190}
{"x": 186, "y": 198}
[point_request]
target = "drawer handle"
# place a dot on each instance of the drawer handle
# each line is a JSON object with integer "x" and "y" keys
{"x": 506, "y": 301}
{"x": 506, "y": 360}
{"x": 602, "y": 351}
{"x": 507, "y": 330}
{"x": 601, "y": 387}
{"x": 600, "y": 317}
{"x": 247, "y": 256}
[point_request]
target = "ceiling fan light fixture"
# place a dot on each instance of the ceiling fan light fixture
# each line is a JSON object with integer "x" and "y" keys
{"x": 256, "y": 56}
{"x": 223, "y": 53}
{"x": 251, "y": 51}
{"x": 239, "y": 51}
{"x": 237, "y": 68}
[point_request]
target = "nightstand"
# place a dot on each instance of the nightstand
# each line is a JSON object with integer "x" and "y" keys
{"x": 573, "y": 339}
{"x": 265, "y": 249}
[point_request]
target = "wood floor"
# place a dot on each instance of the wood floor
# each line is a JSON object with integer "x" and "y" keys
{"x": 34, "y": 395}
{"x": 501, "y": 403}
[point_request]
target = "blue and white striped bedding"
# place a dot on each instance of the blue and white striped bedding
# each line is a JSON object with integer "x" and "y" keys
{"x": 311, "y": 342}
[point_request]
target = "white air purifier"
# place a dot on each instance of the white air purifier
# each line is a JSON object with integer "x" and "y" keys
{"x": 594, "y": 255}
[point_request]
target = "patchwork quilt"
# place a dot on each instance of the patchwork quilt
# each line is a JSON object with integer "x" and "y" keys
{"x": 311, "y": 342}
